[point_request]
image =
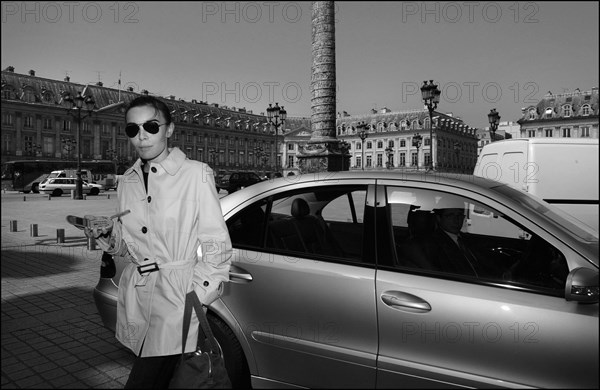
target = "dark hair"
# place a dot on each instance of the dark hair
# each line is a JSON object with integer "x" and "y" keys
{"x": 151, "y": 101}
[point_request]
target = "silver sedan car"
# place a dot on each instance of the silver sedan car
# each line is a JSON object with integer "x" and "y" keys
{"x": 342, "y": 280}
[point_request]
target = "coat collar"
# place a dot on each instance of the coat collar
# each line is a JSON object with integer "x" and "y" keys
{"x": 171, "y": 164}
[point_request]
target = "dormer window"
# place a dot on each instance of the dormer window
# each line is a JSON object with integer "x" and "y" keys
{"x": 548, "y": 112}
{"x": 532, "y": 113}
{"x": 585, "y": 110}
{"x": 566, "y": 110}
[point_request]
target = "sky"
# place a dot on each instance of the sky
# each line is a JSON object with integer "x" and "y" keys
{"x": 483, "y": 55}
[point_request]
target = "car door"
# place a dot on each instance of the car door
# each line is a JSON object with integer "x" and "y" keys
{"x": 309, "y": 318}
{"x": 510, "y": 328}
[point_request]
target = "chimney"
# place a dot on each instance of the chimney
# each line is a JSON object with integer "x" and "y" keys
{"x": 10, "y": 69}
{"x": 130, "y": 89}
{"x": 100, "y": 83}
{"x": 172, "y": 97}
{"x": 32, "y": 72}
{"x": 194, "y": 101}
{"x": 145, "y": 91}
{"x": 67, "y": 79}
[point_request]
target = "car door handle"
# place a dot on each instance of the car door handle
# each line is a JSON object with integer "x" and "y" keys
{"x": 401, "y": 300}
{"x": 239, "y": 275}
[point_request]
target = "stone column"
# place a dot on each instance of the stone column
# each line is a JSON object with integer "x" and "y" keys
{"x": 323, "y": 151}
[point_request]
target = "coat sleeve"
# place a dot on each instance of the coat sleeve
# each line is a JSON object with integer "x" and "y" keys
{"x": 215, "y": 250}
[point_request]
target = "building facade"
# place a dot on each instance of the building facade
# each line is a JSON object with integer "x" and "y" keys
{"x": 565, "y": 115}
{"x": 389, "y": 142}
{"x": 35, "y": 125}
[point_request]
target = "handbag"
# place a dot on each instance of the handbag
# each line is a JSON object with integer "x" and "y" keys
{"x": 204, "y": 368}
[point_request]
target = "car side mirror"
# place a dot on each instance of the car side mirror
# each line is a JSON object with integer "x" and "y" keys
{"x": 582, "y": 285}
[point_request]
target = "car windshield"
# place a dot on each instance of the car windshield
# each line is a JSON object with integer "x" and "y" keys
{"x": 559, "y": 217}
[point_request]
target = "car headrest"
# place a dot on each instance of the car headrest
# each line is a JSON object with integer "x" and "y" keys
{"x": 300, "y": 208}
{"x": 420, "y": 222}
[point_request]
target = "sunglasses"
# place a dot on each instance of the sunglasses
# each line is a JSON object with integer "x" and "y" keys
{"x": 151, "y": 127}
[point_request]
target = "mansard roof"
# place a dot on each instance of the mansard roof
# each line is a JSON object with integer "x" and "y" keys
{"x": 554, "y": 105}
{"x": 50, "y": 92}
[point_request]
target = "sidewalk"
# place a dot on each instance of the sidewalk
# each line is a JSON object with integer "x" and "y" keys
{"x": 52, "y": 336}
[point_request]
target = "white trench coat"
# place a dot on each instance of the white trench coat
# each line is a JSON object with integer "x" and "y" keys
{"x": 177, "y": 224}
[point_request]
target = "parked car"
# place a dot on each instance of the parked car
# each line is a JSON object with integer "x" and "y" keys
{"x": 323, "y": 293}
{"x": 234, "y": 181}
{"x": 56, "y": 186}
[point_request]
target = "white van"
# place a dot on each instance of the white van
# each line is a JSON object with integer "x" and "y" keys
{"x": 562, "y": 171}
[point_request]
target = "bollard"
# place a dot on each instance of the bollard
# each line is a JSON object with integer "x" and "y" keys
{"x": 60, "y": 236}
{"x": 13, "y": 226}
{"x": 91, "y": 244}
{"x": 33, "y": 230}
{"x": 72, "y": 194}
{"x": 49, "y": 197}
{"x": 24, "y": 198}
{"x": 107, "y": 196}
{"x": 84, "y": 197}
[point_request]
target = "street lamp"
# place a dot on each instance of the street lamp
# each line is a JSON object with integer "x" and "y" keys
{"x": 431, "y": 97}
{"x": 457, "y": 149}
{"x": 276, "y": 117}
{"x": 417, "y": 141}
{"x": 213, "y": 156}
{"x": 362, "y": 134}
{"x": 75, "y": 107}
{"x": 390, "y": 153}
{"x": 68, "y": 145}
{"x": 494, "y": 119}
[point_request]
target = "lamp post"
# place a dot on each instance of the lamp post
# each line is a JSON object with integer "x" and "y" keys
{"x": 390, "y": 153}
{"x": 457, "y": 149}
{"x": 494, "y": 119}
{"x": 75, "y": 107}
{"x": 68, "y": 145}
{"x": 276, "y": 117}
{"x": 213, "y": 156}
{"x": 362, "y": 134}
{"x": 431, "y": 97}
{"x": 417, "y": 141}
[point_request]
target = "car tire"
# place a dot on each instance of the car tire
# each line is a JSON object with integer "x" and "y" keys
{"x": 94, "y": 191}
{"x": 35, "y": 188}
{"x": 57, "y": 192}
{"x": 233, "y": 354}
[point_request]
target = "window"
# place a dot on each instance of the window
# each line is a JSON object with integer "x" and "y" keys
{"x": 319, "y": 222}
{"x": 66, "y": 125}
{"x": 391, "y": 143}
{"x": 421, "y": 221}
{"x": 291, "y": 146}
{"x": 358, "y": 162}
{"x": 47, "y": 124}
{"x": 402, "y": 159}
{"x": 369, "y": 161}
{"x": 379, "y": 159}
{"x": 532, "y": 113}
{"x": 414, "y": 159}
{"x": 567, "y": 110}
{"x": 585, "y": 110}
{"x": 379, "y": 144}
{"x": 402, "y": 143}
{"x": 358, "y": 146}
{"x": 548, "y": 133}
{"x": 585, "y": 132}
{"x": 566, "y": 133}
{"x": 369, "y": 145}
{"x": 7, "y": 119}
{"x": 28, "y": 121}
{"x": 549, "y": 112}
{"x": 531, "y": 133}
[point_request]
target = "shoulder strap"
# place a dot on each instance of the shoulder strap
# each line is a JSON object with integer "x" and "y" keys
{"x": 205, "y": 335}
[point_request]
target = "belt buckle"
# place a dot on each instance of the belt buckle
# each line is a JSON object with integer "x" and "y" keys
{"x": 147, "y": 268}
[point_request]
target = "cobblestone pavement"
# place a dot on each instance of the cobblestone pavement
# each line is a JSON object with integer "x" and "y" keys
{"x": 52, "y": 336}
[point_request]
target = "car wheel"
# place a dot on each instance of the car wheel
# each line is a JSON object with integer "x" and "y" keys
{"x": 35, "y": 188}
{"x": 235, "y": 361}
{"x": 26, "y": 192}
{"x": 57, "y": 192}
{"x": 94, "y": 191}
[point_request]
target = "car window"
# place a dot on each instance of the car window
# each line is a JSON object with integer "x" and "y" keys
{"x": 446, "y": 234}
{"x": 320, "y": 222}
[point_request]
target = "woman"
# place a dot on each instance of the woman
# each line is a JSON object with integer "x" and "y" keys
{"x": 176, "y": 239}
